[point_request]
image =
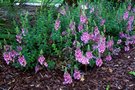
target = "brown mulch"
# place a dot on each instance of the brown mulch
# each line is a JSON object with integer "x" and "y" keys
{"x": 113, "y": 73}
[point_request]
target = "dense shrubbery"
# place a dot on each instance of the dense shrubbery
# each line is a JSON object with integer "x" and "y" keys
{"x": 75, "y": 37}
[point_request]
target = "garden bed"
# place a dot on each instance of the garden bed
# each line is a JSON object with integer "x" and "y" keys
{"x": 113, "y": 73}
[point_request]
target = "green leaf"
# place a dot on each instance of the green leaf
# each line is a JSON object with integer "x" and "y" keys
{"x": 132, "y": 73}
{"x": 51, "y": 64}
{"x": 108, "y": 87}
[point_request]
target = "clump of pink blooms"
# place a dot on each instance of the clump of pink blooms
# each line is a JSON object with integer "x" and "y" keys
{"x": 42, "y": 61}
{"x": 22, "y": 60}
{"x": 80, "y": 57}
{"x": 125, "y": 16}
{"x": 83, "y": 19}
{"x": 99, "y": 62}
{"x": 108, "y": 58}
{"x": 85, "y": 37}
{"x": 67, "y": 78}
{"x": 77, "y": 74}
{"x": 9, "y": 55}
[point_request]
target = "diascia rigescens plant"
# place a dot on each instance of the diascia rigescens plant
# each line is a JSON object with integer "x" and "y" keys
{"x": 75, "y": 37}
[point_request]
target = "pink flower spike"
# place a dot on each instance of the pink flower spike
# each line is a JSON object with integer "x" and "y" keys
{"x": 96, "y": 31}
{"x": 127, "y": 48}
{"x": 101, "y": 48}
{"x": 89, "y": 55}
{"x": 19, "y": 38}
{"x": 84, "y": 60}
{"x": 77, "y": 74}
{"x": 110, "y": 44}
{"x": 67, "y": 78}
{"x": 7, "y": 57}
{"x": 57, "y": 24}
{"x": 78, "y": 54}
{"x": 108, "y": 58}
{"x": 22, "y": 61}
{"x": 41, "y": 59}
{"x": 85, "y": 37}
{"x": 14, "y": 53}
{"x": 45, "y": 64}
{"x": 37, "y": 68}
{"x": 101, "y": 45}
{"x": 99, "y": 62}
{"x": 131, "y": 19}
{"x": 125, "y": 16}
{"x": 83, "y": 19}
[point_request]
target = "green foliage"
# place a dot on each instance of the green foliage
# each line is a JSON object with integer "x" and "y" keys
{"x": 42, "y": 36}
{"x": 108, "y": 87}
{"x": 132, "y": 73}
{"x": 51, "y": 64}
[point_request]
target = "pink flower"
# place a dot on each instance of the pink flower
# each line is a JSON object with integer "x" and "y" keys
{"x": 127, "y": 48}
{"x": 84, "y": 60}
{"x": 67, "y": 78}
{"x": 83, "y": 19}
{"x": 96, "y": 31}
{"x": 96, "y": 38}
{"x": 14, "y": 53}
{"x": 89, "y": 55}
{"x": 85, "y": 37}
{"x": 119, "y": 41}
{"x": 22, "y": 61}
{"x": 19, "y": 38}
{"x": 129, "y": 26}
{"x": 125, "y": 16}
{"x": 99, "y": 62}
{"x": 131, "y": 19}
{"x": 101, "y": 48}
{"x": 7, "y": 57}
{"x": 133, "y": 10}
{"x": 57, "y": 24}
{"x": 80, "y": 27}
{"x": 77, "y": 74}
{"x": 102, "y": 22}
{"x": 78, "y": 54}
{"x": 37, "y": 68}
{"x": 41, "y": 59}
{"x": 110, "y": 44}
{"x": 45, "y": 64}
{"x": 109, "y": 58}
{"x": 101, "y": 45}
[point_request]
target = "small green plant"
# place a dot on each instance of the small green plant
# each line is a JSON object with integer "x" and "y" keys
{"x": 132, "y": 73}
{"x": 108, "y": 87}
